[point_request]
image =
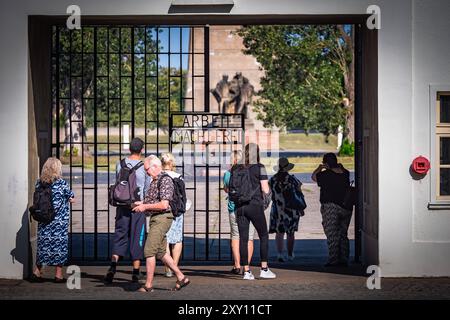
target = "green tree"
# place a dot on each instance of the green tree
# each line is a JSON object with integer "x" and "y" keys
{"x": 117, "y": 70}
{"x": 307, "y": 69}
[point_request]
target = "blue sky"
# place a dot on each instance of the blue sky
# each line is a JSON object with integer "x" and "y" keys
{"x": 175, "y": 33}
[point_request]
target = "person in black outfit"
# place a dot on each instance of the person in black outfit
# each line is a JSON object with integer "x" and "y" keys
{"x": 334, "y": 181}
{"x": 253, "y": 212}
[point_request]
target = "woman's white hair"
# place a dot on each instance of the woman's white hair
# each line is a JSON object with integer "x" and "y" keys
{"x": 153, "y": 160}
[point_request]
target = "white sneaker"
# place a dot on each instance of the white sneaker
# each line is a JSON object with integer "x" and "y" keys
{"x": 291, "y": 258}
{"x": 248, "y": 275}
{"x": 267, "y": 274}
{"x": 168, "y": 274}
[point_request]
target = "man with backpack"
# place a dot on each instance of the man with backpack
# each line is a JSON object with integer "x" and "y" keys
{"x": 159, "y": 203}
{"x": 130, "y": 230}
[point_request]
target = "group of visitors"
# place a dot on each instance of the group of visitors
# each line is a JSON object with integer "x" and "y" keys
{"x": 151, "y": 226}
{"x": 155, "y": 192}
{"x": 155, "y": 179}
{"x": 334, "y": 182}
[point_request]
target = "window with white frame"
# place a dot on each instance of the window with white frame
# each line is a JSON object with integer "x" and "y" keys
{"x": 439, "y": 196}
{"x": 442, "y": 146}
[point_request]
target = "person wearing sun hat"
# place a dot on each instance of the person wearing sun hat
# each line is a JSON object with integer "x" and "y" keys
{"x": 284, "y": 220}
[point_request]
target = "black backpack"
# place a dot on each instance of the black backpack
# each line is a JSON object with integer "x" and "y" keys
{"x": 178, "y": 202}
{"x": 240, "y": 189}
{"x": 42, "y": 209}
{"x": 125, "y": 191}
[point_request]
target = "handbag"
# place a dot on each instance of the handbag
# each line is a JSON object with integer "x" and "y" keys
{"x": 350, "y": 197}
{"x": 267, "y": 198}
{"x": 294, "y": 198}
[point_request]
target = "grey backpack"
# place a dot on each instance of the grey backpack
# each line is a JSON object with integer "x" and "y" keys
{"x": 125, "y": 191}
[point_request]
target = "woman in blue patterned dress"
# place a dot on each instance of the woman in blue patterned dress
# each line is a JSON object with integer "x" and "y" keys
{"x": 52, "y": 240}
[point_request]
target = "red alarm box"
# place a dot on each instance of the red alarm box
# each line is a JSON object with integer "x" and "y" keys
{"x": 421, "y": 165}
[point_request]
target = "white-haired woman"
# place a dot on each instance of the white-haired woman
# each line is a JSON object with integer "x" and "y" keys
{"x": 52, "y": 239}
{"x": 175, "y": 233}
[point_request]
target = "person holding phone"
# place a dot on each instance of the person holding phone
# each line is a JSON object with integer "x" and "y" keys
{"x": 334, "y": 180}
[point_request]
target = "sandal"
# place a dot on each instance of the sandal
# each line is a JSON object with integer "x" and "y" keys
{"x": 180, "y": 284}
{"x": 145, "y": 289}
{"x": 60, "y": 280}
{"x": 36, "y": 279}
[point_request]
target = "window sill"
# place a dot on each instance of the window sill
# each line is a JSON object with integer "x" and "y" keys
{"x": 439, "y": 206}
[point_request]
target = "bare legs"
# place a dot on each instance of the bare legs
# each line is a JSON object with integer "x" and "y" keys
{"x": 38, "y": 271}
{"x": 175, "y": 252}
{"x": 136, "y": 263}
{"x": 250, "y": 250}
{"x": 237, "y": 255}
{"x": 290, "y": 240}
{"x": 168, "y": 261}
{"x": 58, "y": 272}
{"x": 279, "y": 239}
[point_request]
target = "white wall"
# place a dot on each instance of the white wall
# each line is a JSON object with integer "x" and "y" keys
{"x": 13, "y": 138}
{"x": 403, "y": 222}
{"x": 394, "y": 110}
{"x": 430, "y": 239}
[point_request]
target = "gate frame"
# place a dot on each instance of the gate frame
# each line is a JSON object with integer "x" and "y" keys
{"x": 366, "y": 94}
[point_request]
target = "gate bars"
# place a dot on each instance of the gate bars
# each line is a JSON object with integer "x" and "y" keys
{"x": 105, "y": 77}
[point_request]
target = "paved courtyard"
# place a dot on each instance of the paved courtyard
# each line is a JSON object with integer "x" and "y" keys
{"x": 295, "y": 281}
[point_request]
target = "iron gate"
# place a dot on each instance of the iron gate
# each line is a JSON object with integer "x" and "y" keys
{"x": 109, "y": 85}
{"x": 205, "y": 149}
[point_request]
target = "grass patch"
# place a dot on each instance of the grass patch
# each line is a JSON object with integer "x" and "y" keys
{"x": 313, "y": 141}
{"x": 288, "y": 141}
{"x": 302, "y": 164}
{"x": 88, "y": 162}
{"x": 307, "y": 164}
{"x": 102, "y": 140}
